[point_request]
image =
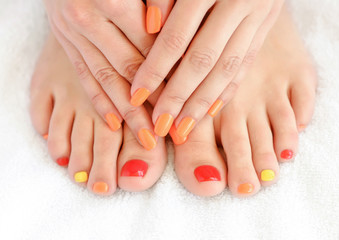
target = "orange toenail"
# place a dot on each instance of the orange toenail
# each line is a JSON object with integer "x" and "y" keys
{"x": 100, "y": 187}
{"x": 301, "y": 128}
{"x": 245, "y": 188}
{"x": 45, "y": 136}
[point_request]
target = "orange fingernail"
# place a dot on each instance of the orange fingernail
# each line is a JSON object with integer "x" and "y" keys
{"x": 185, "y": 127}
{"x": 175, "y": 137}
{"x": 100, "y": 187}
{"x": 140, "y": 96}
{"x": 163, "y": 124}
{"x": 147, "y": 139}
{"x": 153, "y": 19}
{"x": 45, "y": 136}
{"x": 113, "y": 121}
{"x": 215, "y": 108}
{"x": 245, "y": 188}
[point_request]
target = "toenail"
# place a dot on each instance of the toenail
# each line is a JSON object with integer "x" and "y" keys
{"x": 100, "y": 187}
{"x": 134, "y": 168}
{"x": 267, "y": 175}
{"x": 147, "y": 139}
{"x": 113, "y": 122}
{"x": 62, "y": 161}
{"x": 286, "y": 154}
{"x": 45, "y": 136}
{"x": 163, "y": 124}
{"x": 215, "y": 108}
{"x": 175, "y": 137}
{"x": 245, "y": 188}
{"x": 81, "y": 177}
{"x": 185, "y": 126}
{"x": 139, "y": 97}
{"x": 207, "y": 173}
{"x": 301, "y": 128}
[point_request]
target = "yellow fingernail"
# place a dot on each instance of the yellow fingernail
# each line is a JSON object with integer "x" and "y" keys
{"x": 267, "y": 175}
{"x": 81, "y": 177}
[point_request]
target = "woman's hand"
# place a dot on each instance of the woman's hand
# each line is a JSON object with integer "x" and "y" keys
{"x": 228, "y": 40}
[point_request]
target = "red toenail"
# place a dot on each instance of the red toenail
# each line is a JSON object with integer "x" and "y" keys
{"x": 286, "y": 154}
{"x": 62, "y": 161}
{"x": 134, "y": 168}
{"x": 207, "y": 173}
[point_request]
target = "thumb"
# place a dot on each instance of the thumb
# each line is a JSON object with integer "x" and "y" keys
{"x": 157, "y": 13}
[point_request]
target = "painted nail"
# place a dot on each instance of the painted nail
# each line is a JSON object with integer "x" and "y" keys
{"x": 286, "y": 154}
{"x": 185, "y": 126}
{"x": 267, "y": 175}
{"x": 245, "y": 188}
{"x": 81, "y": 177}
{"x": 153, "y": 19}
{"x": 147, "y": 139}
{"x": 140, "y": 96}
{"x": 163, "y": 124}
{"x": 207, "y": 173}
{"x": 134, "y": 168}
{"x": 113, "y": 121}
{"x": 301, "y": 128}
{"x": 45, "y": 136}
{"x": 175, "y": 137}
{"x": 62, "y": 161}
{"x": 100, "y": 187}
{"x": 215, "y": 108}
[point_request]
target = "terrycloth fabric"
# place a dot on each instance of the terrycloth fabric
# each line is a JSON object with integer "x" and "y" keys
{"x": 38, "y": 201}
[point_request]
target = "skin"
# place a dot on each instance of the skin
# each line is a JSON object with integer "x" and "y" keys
{"x": 274, "y": 101}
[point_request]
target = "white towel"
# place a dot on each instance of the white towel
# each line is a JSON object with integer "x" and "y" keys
{"x": 38, "y": 200}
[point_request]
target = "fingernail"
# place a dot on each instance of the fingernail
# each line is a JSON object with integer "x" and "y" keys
{"x": 62, "y": 161}
{"x": 45, "y": 136}
{"x": 113, "y": 121}
{"x": 175, "y": 137}
{"x": 100, "y": 187}
{"x": 153, "y": 19}
{"x": 286, "y": 154}
{"x": 207, "y": 173}
{"x": 147, "y": 139}
{"x": 163, "y": 124}
{"x": 267, "y": 175}
{"x": 301, "y": 128}
{"x": 81, "y": 177}
{"x": 215, "y": 108}
{"x": 245, "y": 188}
{"x": 140, "y": 96}
{"x": 134, "y": 168}
{"x": 185, "y": 127}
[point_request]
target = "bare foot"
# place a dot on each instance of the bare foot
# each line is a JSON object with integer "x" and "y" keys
{"x": 77, "y": 136}
{"x": 259, "y": 127}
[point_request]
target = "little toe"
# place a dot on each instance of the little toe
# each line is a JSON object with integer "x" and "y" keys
{"x": 198, "y": 163}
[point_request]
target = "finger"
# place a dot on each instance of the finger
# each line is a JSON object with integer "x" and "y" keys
{"x": 157, "y": 13}
{"x": 169, "y": 46}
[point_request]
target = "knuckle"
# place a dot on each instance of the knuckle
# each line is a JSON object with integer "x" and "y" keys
{"x": 106, "y": 76}
{"x": 130, "y": 113}
{"x": 230, "y": 65}
{"x": 175, "y": 98}
{"x": 204, "y": 102}
{"x": 97, "y": 99}
{"x": 81, "y": 69}
{"x": 174, "y": 40}
{"x": 202, "y": 59}
{"x": 116, "y": 8}
{"x": 130, "y": 68}
{"x": 77, "y": 15}
{"x": 152, "y": 74}
{"x": 250, "y": 57}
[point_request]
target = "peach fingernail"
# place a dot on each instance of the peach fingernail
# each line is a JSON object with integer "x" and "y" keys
{"x": 100, "y": 187}
{"x": 175, "y": 137}
{"x": 45, "y": 136}
{"x": 113, "y": 121}
{"x": 267, "y": 175}
{"x": 81, "y": 177}
{"x": 245, "y": 188}
{"x": 163, "y": 124}
{"x": 215, "y": 108}
{"x": 186, "y": 126}
{"x": 147, "y": 139}
{"x": 140, "y": 96}
{"x": 153, "y": 19}
{"x": 301, "y": 128}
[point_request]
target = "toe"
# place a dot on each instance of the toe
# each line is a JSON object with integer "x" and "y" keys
{"x": 140, "y": 169}
{"x": 198, "y": 163}
{"x": 102, "y": 177}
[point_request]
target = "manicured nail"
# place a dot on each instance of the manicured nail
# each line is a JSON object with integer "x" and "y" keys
{"x": 286, "y": 154}
{"x": 134, "y": 168}
{"x": 81, "y": 177}
{"x": 153, "y": 19}
{"x": 175, "y": 137}
{"x": 62, "y": 161}
{"x": 245, "y": 188}
{"x": 301, "y": 128}
{"x": 147, "y": 139}
{"x": 215, "y": 108}
{"x": 100, "y": 187}
{"x": 163, "y": 124}
{"x": 207, "y": 173}
{"x": 45, "y": 136}
{"x": 185, "y": 126}
{"x": 113, "y": 121}
{"x": 140, "y": 96}
{"x": 267, "y": 175}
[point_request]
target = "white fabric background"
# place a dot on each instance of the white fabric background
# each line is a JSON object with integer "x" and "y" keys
{"x": 38, "y": 201}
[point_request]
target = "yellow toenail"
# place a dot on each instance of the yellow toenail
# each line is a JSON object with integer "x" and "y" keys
{"x": 267, "y": 175}
{"x": 81, "y": 177}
